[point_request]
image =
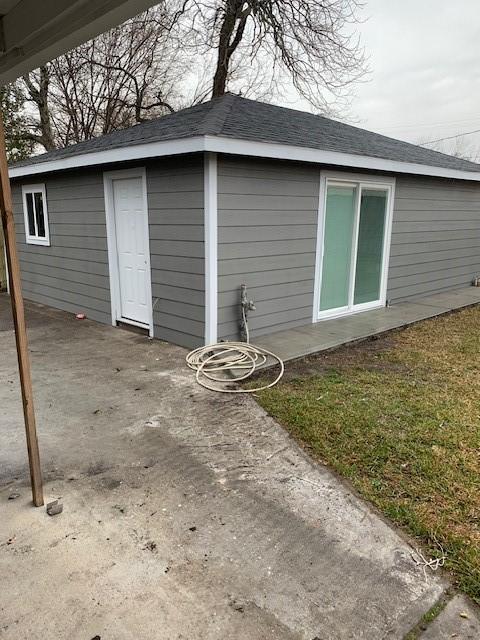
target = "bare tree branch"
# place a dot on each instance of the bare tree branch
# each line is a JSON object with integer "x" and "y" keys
{"x": 182, "y": 52}
{"x": 308, "y": 43}
{"x": 127, "y": 75}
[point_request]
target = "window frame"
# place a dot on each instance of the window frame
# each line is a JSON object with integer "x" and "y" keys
{"x": 35, "y": 239}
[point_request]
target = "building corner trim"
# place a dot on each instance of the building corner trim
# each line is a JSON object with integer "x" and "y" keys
{"x": 211, "y": 247}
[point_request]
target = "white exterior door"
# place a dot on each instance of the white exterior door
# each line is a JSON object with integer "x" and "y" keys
{"x": 131, "y": 232}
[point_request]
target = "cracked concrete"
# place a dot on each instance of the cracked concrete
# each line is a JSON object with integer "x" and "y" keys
{"x": 187, "y": 514}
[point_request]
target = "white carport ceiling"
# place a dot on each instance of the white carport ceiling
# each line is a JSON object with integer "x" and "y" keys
{"x": 33, "y": 32}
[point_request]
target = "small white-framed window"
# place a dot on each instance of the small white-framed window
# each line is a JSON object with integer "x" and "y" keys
{"x": 36, "y": 214}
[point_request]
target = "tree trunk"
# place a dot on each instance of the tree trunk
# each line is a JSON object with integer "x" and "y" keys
{"x": 48, "y": 140}
{"x": 220, "y": 80}
{"x": 226, "y": 44}
{"x": 39, "y": 95}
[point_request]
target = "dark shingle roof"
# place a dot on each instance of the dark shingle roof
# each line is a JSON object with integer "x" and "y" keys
{"x": 238, "y": 118}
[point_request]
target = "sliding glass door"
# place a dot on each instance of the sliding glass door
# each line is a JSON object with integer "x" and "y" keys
{"x": 339, "y": 226}
{"x": 353, "y": 245}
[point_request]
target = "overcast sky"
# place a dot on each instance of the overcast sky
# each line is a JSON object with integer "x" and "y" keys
{"x": 424, "y": 57}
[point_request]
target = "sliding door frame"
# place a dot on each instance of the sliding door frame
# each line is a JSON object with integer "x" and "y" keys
{"x": 359, "y": 181}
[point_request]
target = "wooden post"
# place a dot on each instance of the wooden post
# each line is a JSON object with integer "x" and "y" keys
{"x": 16, "y": 298}
{"x": 3, "y": 264}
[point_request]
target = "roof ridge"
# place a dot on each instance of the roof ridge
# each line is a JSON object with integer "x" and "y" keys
{"x": 219, "y": 111}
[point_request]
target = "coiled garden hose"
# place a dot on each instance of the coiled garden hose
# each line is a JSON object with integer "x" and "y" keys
{"x": 221, "y": 364}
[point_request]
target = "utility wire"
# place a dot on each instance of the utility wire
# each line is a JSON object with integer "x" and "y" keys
{"x": 428, "y": 124}
{"x": 459, "y": 135}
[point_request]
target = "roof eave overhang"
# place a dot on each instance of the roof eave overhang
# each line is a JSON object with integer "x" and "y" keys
{"x": 35, "y": 32}
{"x": 243, "y": 148}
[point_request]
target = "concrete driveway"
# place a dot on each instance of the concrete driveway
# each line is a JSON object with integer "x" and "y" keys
{"x": 187, "y": 514}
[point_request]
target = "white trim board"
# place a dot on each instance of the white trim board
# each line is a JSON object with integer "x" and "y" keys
{"x": 108, "y": 178}
{"x": 304, "y": 154}
{"x": 211, "y": 247}
{"x": 218, "y": 144}
{"x": 122, "y": 154}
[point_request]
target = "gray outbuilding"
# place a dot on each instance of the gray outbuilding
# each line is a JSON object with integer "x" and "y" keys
{"x": 160, "y": 224}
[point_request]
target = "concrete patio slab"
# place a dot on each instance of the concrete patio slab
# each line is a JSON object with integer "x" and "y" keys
{"x": 187, "y": 514}
{"x": 459, "y": 620}
{"x": 312, "y": 338}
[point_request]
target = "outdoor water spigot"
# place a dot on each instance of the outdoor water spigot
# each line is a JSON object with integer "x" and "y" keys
{"x": 246, "y": 305}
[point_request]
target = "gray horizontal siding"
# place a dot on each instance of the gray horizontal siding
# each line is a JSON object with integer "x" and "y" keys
{"x": 435, "y": 236}
{"x": 175, "y": 207}
{"x": 72, "y": 273}
{"x": 267, "y": 219}
{"x": 95, "y": 261}
{"x": 267, "y": 238}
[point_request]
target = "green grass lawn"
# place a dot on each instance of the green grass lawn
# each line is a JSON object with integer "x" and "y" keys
{"x": 400, "y": 418}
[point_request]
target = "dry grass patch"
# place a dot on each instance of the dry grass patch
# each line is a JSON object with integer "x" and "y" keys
{"x": 400, "y": 418}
